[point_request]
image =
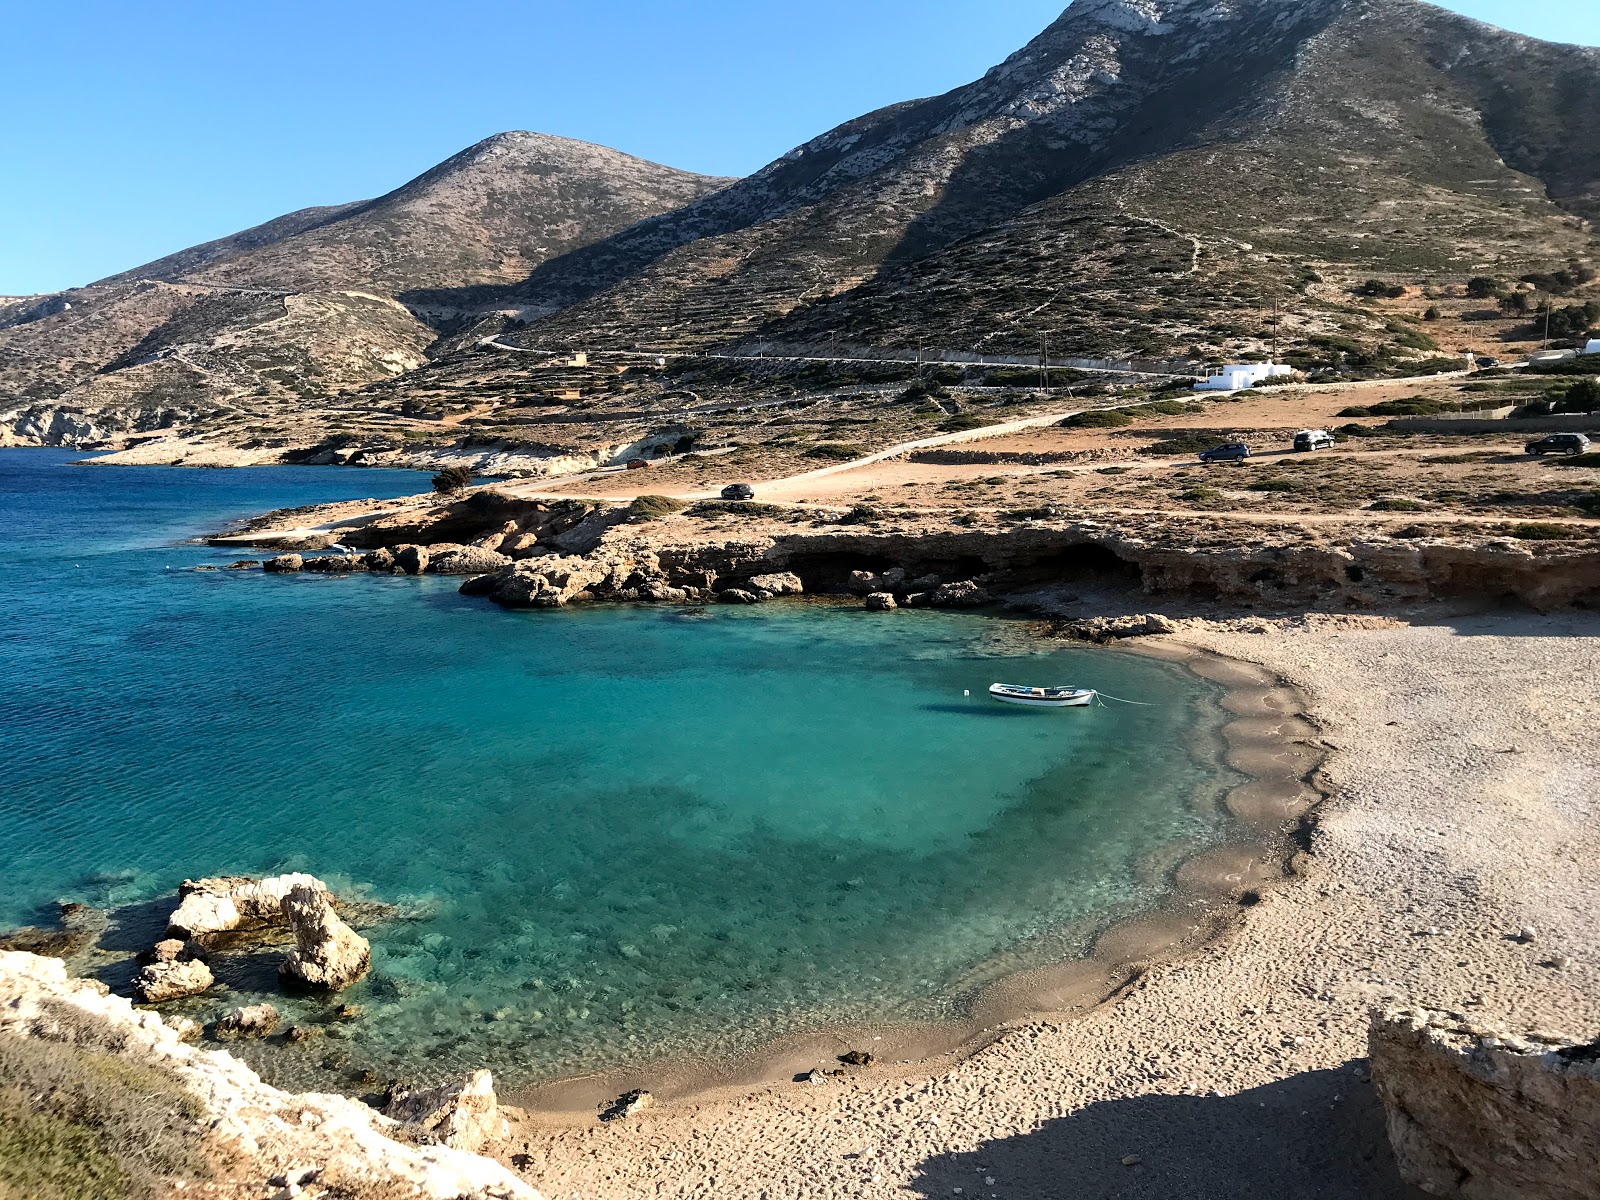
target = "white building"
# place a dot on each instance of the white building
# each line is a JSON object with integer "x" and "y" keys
{"x": 1238, "y": 376}
{"x": 1593, "y": 347}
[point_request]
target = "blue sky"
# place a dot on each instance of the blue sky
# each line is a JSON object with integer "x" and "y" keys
{"x": 135, "y": 129}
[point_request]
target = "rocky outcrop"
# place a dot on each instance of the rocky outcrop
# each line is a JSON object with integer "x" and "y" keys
{"x": 208, "y": 906}
{"x": 768, "y": 587}
{"x": 882, "y": 602}
{"x": 284, "y": 564}
{"x": 1477, "y": 1113}
{"x": 962, "y": 594}
{"x": 467, "y": 560}
{"x": 413, "y": 560}
{"x": 737, "y": 596}
{"x": 171, "y": 979}
{"x": 272, "y": 1134}
{"x": 379, "y": 561}
{"x": 464, "y": 1115}
{"x": 328, "y": 954}
{"x": 1102, "y": 630}
{"x": 79, "y": 925}
{"x": 252, "y": 1021}
{"x": 335, "y": 564}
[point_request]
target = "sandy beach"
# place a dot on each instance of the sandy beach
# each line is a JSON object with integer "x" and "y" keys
{"x": 1464, "y": 785}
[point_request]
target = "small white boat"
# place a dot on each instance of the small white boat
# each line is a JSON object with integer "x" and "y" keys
{"x": 1008, "y": 693}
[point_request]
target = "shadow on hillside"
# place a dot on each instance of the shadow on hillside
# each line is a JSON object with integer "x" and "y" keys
{"x": 1316, "y": 1136}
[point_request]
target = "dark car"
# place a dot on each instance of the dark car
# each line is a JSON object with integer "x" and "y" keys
{"x": 1310, "y": 440}
{"x": 1484, "y": 363}
{"x": 738, "y": 491}
{"x": 1559, "y": 443}
{"x": 1227, "y": 452}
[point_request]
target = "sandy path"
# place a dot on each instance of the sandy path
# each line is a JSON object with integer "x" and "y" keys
{"x": 1237, "y": 1073}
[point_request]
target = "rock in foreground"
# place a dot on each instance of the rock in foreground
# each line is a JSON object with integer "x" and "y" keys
{"x": 1480, "y": 1114}
{"x": 328, "y": 954}
{"x": 174, "y": 979}
{"x": 464, "y": 1115}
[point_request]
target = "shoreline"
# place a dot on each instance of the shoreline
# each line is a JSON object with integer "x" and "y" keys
{"x": 1450, "y": 826}
{"x": 1202, "y": 906}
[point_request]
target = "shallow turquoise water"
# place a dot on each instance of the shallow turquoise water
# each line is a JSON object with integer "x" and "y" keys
{"x": 615, "y": 831}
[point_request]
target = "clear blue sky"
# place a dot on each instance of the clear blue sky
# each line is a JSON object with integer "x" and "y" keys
{"x": 133, "y": 129}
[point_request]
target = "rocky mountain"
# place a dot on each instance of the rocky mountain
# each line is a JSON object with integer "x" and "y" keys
{"x": 307, "y": 306}
{"x": 1148, "y": 178}
{"x": 1143, "y": 176}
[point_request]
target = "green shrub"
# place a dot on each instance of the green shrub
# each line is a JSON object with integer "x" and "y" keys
{"x": 1397, "y": 504}
{"x": 1541, "y": 531}
{"x": 1376, "y": 288}
{"x": 1579, "y": 460}
{"x": 1200, "y": 496}
{"x": 1276, "y": 485}
{"x": 653, "y": 508}
{"x": 837, "y": 451}
{"x": 1100, "y": 418}
{"x": 963, "y": 422}
{"x": 1433, "y": 313}
{"x": 1188, "y": 443}
{"x": 80, "y": 1124}
{"x": 1482, "y": 287}
{"x": 1588, "y": 505}
{"x": 1125, "y": 470}
{"x": 452, "y": 480}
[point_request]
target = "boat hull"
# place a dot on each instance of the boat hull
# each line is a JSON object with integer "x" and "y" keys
{"x": 1040, "y": 698}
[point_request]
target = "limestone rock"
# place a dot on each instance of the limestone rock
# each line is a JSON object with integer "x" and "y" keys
{"x": 629, "y": 1104}
{"x": 413, "y": 560}
{"x": 464, "y": 1115}
{"x": 187, "y": 1029}
{"x": 380, "y": 561}
{"x": 80, "y": 925}
{"x": 335, "y": 564}
{"x": 737, "y": 596}
{"x": 468, "y": 560}
{"x": 159, "y": 982}
{"x": 1479, "y": 1114}
{"x": 233, "y": 902}
{"x": 328, "y": 954}
{"x": 252, "y": 1021}
{"x": 243, "y": 564}
{"x": 283, "y": 564}
{"x": 864, "y": 583}
{"x": 882, "y": 602}
{"x": 784, "y": 584}
{"x": 964, "y": 594}
{"x": 173, "y": 950}
{"x": 1155, "y": 623}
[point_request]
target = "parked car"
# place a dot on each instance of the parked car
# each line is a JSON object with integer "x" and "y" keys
{"x": 1559, "y": 443}
{"x": 738, "y": 491}
{"x": 1227, "y": 452}
{"x": 1484, "y": 363}
{"x": 1312, "y": 439}
{"x": 637, "y": 464}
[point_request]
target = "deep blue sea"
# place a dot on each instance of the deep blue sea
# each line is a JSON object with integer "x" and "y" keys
{"x": 614, "y": 831}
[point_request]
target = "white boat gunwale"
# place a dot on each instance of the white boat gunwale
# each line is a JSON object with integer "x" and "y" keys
{"x": 1058, "y": 697}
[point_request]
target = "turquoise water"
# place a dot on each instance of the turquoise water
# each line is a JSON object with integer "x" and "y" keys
{"x": 613, "y": 832}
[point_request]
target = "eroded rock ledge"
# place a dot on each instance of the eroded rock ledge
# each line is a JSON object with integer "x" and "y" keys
{"x": 1482, "y": 1114}
{"x": 279, "y": 1141}
{"x": 526, "y": 553}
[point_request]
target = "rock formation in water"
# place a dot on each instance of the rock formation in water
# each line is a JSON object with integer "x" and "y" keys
{"x": 332, "y": 1145}
{"x": 464, "y": 1114}
{"x": 208, "y": 906}
{"x": 251, "y": 1021}
{"x": 171, "y": 979}
{"x": 1480, "y": 1114}
{"x": 328, "y": 954}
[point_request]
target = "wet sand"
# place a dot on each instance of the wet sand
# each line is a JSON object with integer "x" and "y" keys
{"x": 1464, "y": 785}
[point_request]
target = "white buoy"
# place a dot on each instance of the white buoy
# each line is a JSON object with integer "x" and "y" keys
{"x": 967, "y": 692}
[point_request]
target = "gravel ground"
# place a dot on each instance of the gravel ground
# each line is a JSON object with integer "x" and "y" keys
{"x": 1466, "y": 783}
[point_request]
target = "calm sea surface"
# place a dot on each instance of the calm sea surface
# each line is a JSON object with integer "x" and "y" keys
{"x": 612, "y": 832}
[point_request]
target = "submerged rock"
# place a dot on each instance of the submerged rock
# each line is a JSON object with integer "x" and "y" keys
{"x": 328, "y": 954}
{"x": 284, "y": 564}
{"x": 243, "y": 564}
{"x": 464, "y": 1115}
{"x": 1479, "y": 1114}
{"x": 234, "y": 902}
{"x": 159, "y": 982}
{"x": 737, "y": 596}
{"x": 80, "y": 924}
{"x": 252, "y": 1021}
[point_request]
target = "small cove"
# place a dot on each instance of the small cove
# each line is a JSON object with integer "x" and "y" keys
{"x": 615, "y": 834}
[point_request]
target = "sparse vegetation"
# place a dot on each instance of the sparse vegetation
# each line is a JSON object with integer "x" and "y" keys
{"x": 452, "y": 481}
{"x": 653, "y": 508}
{"x": 836, "y": 451}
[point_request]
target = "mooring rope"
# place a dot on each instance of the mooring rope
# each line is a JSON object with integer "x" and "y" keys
{"x": 1102, "y": 697}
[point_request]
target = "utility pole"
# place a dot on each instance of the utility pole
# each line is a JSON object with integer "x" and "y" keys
{"x": 1044, "y": 359}
{"x": 1548, "y": 304}
{"x": 1277, "y": 324}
